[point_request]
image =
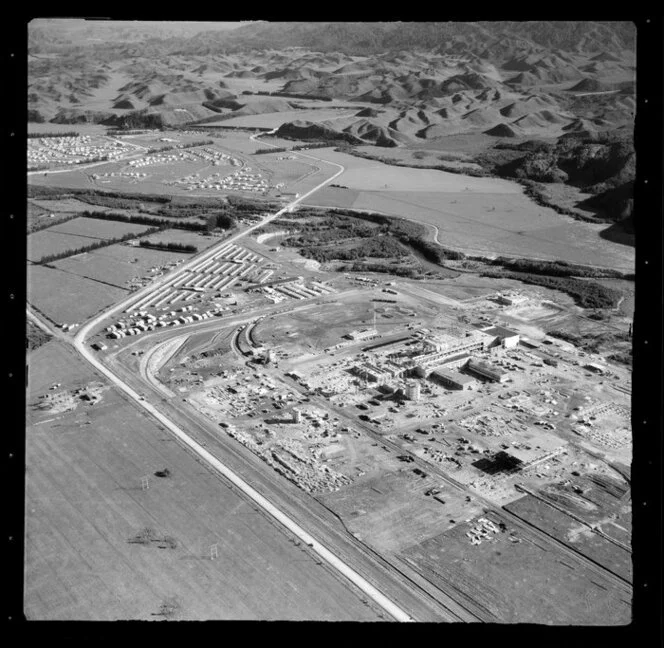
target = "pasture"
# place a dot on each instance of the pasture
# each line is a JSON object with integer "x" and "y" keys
{"x": 275, "y": 119}
{"x": 75, "y": 234}
{"x": 69, "y": 205}
{"x": 65, "y": 297}
{"x": 119, "y": 264}
{"x": 98, "y": 547}
{"x": 75, "y": 179}
{"x": 286, "y": 171}
{"x": 371, "y": 175}
{"x": 485, "y": 216}
{"x": 179, "y": 236}
{"x": 420, "y": 157}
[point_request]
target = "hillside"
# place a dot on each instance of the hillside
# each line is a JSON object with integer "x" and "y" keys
{"x": 410, "y": 85}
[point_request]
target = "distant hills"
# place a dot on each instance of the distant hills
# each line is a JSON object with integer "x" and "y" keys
{"x": 417, "y": 84}
{"x": 488, "y": 40}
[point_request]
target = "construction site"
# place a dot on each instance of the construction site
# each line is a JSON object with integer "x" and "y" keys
{"x": 411, "y": 420}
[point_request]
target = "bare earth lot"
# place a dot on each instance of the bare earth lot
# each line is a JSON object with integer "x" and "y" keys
{"x": 84, "y": 503}
{"x": 561, "y": 591}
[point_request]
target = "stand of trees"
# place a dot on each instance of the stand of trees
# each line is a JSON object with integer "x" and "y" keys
{"x": 558, "y": 268}
{"x": 586, "y": 294}
{"x": 173, "y": 247}
{"x": 181, "y": 146}
{"x": 381, "y": 247}
{"x": 160, "y": 223}
{"x": 292, "y": 95}
{"x": 49, "y": 223}
{"x": 220, "y": 220}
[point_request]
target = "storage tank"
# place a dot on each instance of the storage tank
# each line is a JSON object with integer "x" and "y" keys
{"x": 413, "y": 391}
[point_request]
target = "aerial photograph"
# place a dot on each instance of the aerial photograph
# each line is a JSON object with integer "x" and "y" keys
{"x": 329, "y": 321}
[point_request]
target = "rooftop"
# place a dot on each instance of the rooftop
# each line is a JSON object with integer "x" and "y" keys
{"x": 500, "y": 331}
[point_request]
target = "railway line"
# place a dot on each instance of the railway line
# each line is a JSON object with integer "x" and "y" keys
{"x": 290, "y": 499}
{"x": 330, "y": 558}
{"x": 460, "y": 611}
{"x": 517, "y": 521}
{"x": 390, "y": 584}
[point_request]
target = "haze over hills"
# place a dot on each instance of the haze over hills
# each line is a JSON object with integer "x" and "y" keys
{"x": 411, "y": 84}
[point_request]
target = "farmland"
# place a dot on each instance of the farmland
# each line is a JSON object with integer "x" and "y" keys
{"x": 484, "y": 216}
{"x": 65, "y": 297}
{"x": 275, "y": 119}
{"x": 79, "y": 286}
{"x": 381, "y": 370}
{"x": 93, "y": 535}
{"x": 75, "y": 234}
{"x": 119, "y": 264}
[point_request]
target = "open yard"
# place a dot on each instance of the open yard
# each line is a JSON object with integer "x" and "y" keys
{"x": 495, "y": 574}
{"x": 391, "y": 511}
{"x": 99, "y": 547}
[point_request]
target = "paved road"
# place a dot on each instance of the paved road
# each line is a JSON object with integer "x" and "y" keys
{"x": 396, "y": 580}
{"x": 330, "y": 558}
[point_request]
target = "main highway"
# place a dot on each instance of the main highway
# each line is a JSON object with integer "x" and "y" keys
{"x": 332, "y": 560}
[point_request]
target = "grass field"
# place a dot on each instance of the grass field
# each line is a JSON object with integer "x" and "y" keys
{"x": 370, "y": 175}
{"x": 234, "y": 141}
{"x": 420, "y": 157}
{"x": 485, "y": 216}
{"x": 69, "y": 206}
{"x": 75, "y": 234}
{"x": 67, "y": 298}
{"x": 286, "y": 171}
{"x": 77, "y": 179}
{"x": 181, "y": 236}
{"x": 275, "y": 119}
{"x": 84, "y": 503}
{"x": 118, "y": 264}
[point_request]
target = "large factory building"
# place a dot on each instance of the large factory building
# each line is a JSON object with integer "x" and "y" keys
{"x": 486, "y": 370}
{"x": 451, "y": 379}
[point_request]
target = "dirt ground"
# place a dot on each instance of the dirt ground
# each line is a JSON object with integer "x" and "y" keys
{"x": 494, "y": 575}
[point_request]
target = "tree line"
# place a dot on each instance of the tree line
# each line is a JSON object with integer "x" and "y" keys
{"x": 160, "y": 223}
{"x": 293, "y": 95}
{"x": 50, "y": 258}
{"x": 587, "y": 294}
{"x": 181, "y": 146}
{"x": 42, "y": 135}
{"x": 173, "y": 247}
